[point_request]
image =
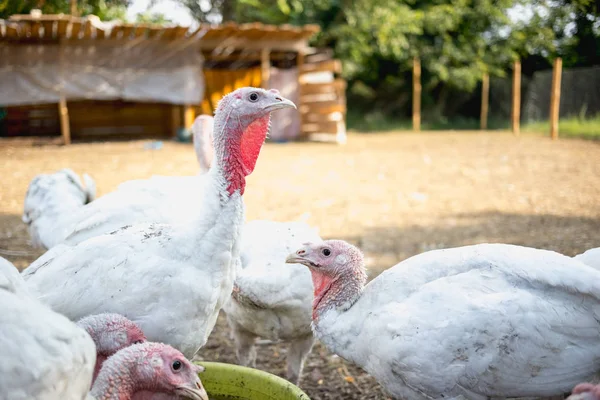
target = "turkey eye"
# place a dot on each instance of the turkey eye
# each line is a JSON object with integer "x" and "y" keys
{"x": 176, "y": 365}
{"x": 326, "y": 252}
{"x": 138, "y": 342}
{"x": 253, "y": 96}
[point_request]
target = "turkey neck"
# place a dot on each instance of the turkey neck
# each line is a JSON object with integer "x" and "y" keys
{"x": 333, "y": 321}
{"x": 336, "y": 294}
{"x": 237, "y": 142}
{"x": 115, "y": 381}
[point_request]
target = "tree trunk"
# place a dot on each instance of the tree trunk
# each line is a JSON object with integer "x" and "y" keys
{"x": 74, "y": 7}
{"x": 228, "y": 11}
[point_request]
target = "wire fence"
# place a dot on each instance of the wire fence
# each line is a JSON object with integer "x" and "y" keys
{"x": 579, "y": 95}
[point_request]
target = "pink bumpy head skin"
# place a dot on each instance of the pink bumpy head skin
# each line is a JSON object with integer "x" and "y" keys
{"x": 337, "y": 270}
{"x": 150, "y": 368}
{"x": 110, "y": 333}
{"x": 241, "y": 126}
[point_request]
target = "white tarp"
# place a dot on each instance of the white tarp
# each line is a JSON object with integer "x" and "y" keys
{"x": 149, "y": 71}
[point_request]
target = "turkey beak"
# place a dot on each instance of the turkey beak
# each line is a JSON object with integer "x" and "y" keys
{"x": 279, "y": 102}
{"x": 299, "y": 257}
{"x": 193, "y": 391}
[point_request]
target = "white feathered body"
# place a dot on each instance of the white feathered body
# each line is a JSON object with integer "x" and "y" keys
{"x": 279, "y": 296}
{"x": 485, "y": 320}
{"x": 44, "y": 356}
{"x": 590, "y": 257}
{"x": 170, "y": 280}
{"x": 10, "y": 279}
{"x": 50, "y": 201}
{"x": 160, "y": 199}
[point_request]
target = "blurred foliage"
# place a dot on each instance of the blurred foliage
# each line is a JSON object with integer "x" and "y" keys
{"x": 105, "y": 9}
{"x": 211, "y": 10}
{"x": 152, "y": 18}
{"x": 457, "y": 40}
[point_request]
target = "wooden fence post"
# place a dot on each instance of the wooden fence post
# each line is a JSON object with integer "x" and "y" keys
{"x": 416, "y": 115}
{"x": 555, "y": 98}
{"x": 189, "y": 115}
{"x": 516, "y": 99}
{"x": 299, "y": 65}
{"x": 175, "y": 119}
{"x": 63, "y": 113}
{"x": 265, "y": 67}
{"x": 485, "y": 99}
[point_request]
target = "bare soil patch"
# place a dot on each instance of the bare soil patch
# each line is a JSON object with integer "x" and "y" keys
{"x": 394, "y": 195}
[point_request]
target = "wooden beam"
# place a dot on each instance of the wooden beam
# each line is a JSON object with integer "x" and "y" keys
{"x": 416, "y": 114}
{"x": 337, "y": 86}
{"x": 320, "y": 127}
{"x": 485, "y": 100}
{"x": 334, "y": 66}
{"x": 314, "y": 117}
{"x": 246, "y": 44}
{"x": 555, "y": 98}
{"x": 254, "y": 56}
{"x": 516, "y": 99}
{"x": 323, "y": 107}
{"x": 188, "y": 116}
{"x": 299, "y": 65}
{"x": 63, "y": 113}
{"x": 265, "y": 68}
{"x": 175, "y": 119}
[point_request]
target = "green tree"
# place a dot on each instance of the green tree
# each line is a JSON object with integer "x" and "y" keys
{"x": 152, "y": 18}
{"x": 104, "y": 9}
{"x": 457, "y": 41}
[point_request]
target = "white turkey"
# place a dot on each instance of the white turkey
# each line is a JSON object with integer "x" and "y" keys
{"x": 110, "y": 333}
{"x": 133, "y": 202}
{"x": 272, "y": 300}
{"x": 44, "y": 355}
{"x": 171, "y": 280}
{"x": 50, "y": 200}
{"x": 148, "y": 371}
{"x": 490, "y": 320}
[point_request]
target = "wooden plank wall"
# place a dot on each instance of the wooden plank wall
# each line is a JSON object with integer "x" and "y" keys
{"x": 35, "y": 120}
{"x": 323, "y": 109}
{"x": 220, "y": 82}
{"x": 119, "y": 119}
{"x": 92, "y": 120}
{"x": 323, "y": 105}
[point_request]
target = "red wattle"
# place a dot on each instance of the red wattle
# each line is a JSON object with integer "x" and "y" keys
{"x": 252, "y": 141}
{"x": 243, "y": 152}
{"x": 321, "y": 284}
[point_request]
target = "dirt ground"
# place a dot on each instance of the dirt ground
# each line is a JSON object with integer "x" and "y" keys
{"x": 394, "y": 195}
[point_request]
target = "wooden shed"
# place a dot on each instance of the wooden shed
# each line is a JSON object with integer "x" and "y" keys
{"x": 80, "y": 78}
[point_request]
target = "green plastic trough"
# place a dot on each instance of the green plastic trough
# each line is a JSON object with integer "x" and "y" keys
{"x": 233, "y": 382}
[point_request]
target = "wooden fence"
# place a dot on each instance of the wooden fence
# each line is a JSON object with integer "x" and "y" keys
{"x": 323, "y": 103}
{"x": 485, "y": 93}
